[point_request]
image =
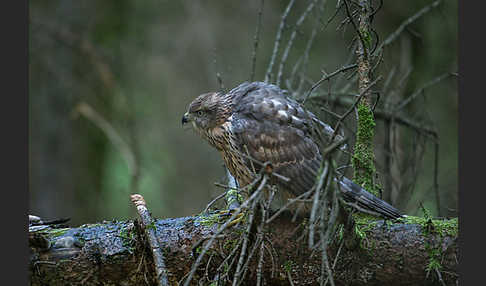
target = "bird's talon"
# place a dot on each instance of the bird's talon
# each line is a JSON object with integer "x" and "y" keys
{"x": 226, "y": 213}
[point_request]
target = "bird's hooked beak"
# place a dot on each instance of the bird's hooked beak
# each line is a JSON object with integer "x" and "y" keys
{"x": 186, "y": 118}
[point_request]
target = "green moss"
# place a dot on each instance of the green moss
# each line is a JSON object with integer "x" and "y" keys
{"x": 208, "y": 220}
{"x": 340, "y": 232}
{"x": 442, "y": 227}
{"x": 434, "y": 258}
{"x": 288, "y": 265}
{"x": 56, "y": 232}
{"x": 439, "y": 227}
{"x": 430, "y": 226}
{"x": 230, "y": 244}
{"x": 233, "y": 196}
{"x": 208, "y": 252}
{"x": 366, "y": 37}
{"x": 363, "y": 224}
{"x": 152, "y": 225}
{"x": 362, "y": 160}
{"x": 128, "y": 237}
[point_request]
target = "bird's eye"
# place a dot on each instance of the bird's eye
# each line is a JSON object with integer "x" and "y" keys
{"x": 200, "y": 113}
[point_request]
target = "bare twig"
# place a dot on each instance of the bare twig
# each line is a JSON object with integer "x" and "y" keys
{"x": 393, "y": 36}
{"x": 255, "y": 41}
{"x": 289, "y": 278}
{"x": 305, "y": 56}
{"x": 315, "y": 205}
{"x": 338, "y": 124}
{"x": 220, "y": 196}
{"x": 230, "y": 255}
{"x": 434, "y": 81}
{"x": 149, "y": 228}
{"x": 326, "y": 77}
{"x": 384, "y": 115}
{"x": 325, "y": 235}
{"x": 246, "y": 238}
{"x": 234, "y": 215}
{"x": 260, "y": 263}
{"x": 350, "y": 17}
{"x": 289, "y": 203}
{"x": 292, "y": 38}
{"x": 336, "y": 258}
{"x": 281, "y": 177}
{"x": 278, "y": 39}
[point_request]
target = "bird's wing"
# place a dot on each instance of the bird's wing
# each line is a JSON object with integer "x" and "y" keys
{"x": 276, "y": 130}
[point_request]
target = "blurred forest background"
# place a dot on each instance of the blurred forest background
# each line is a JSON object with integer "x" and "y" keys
{"x": 110, "y": 80}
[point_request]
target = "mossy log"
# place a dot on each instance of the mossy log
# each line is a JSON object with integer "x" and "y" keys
{"x": 411, "y": 252}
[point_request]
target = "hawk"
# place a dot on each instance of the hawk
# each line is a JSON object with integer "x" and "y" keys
{"x": 260, "y": 121}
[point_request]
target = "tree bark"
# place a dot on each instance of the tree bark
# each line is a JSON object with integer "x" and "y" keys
{"x": 115, "y": 253}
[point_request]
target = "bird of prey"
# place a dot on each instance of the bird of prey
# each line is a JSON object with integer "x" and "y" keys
{"x": 259, "y": 120}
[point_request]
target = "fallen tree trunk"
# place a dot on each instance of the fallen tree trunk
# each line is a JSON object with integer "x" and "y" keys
{"x": 411, "y": 252}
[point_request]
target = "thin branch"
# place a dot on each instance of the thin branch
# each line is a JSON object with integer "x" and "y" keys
{"x": 292, "y": 38}
{"x": 260, "y": 263}
{"x": 393, "y": 36}
{"x": 325, "y": 238}
{"x": 315, "y": 205}
{"x": 220, "y": 196}
{"x": 338, "y": 124}
{"x": 384, "y": 115}
{"x": 281, "y": 177}
{"x": 278, "y": 39}
{"x": 255, "y": 42}
{"x": 289, "y": 203}
{"x": 260, "y": 239}
{"x": 308, "y": 48}
{"x": 326, "y": 77}
{"x": 234, "y": 215}
{"x": 147, "y": 223}
{"x": 434, "y": 81}
{"x": 336, "y": 258}
{"x": 246, "y": 238}
{"x": 363, "y": 44}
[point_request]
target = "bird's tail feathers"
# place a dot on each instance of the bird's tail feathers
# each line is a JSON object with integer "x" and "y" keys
{"x": 355, "y": 194}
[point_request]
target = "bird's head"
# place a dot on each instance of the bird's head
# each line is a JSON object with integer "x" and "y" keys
{"x": 207, "y": 111}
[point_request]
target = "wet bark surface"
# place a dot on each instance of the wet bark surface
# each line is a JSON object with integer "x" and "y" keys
{"x": 115, "y": 253}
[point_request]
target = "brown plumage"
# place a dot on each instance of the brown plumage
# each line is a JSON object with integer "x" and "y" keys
{"x": 260, "y": 120}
